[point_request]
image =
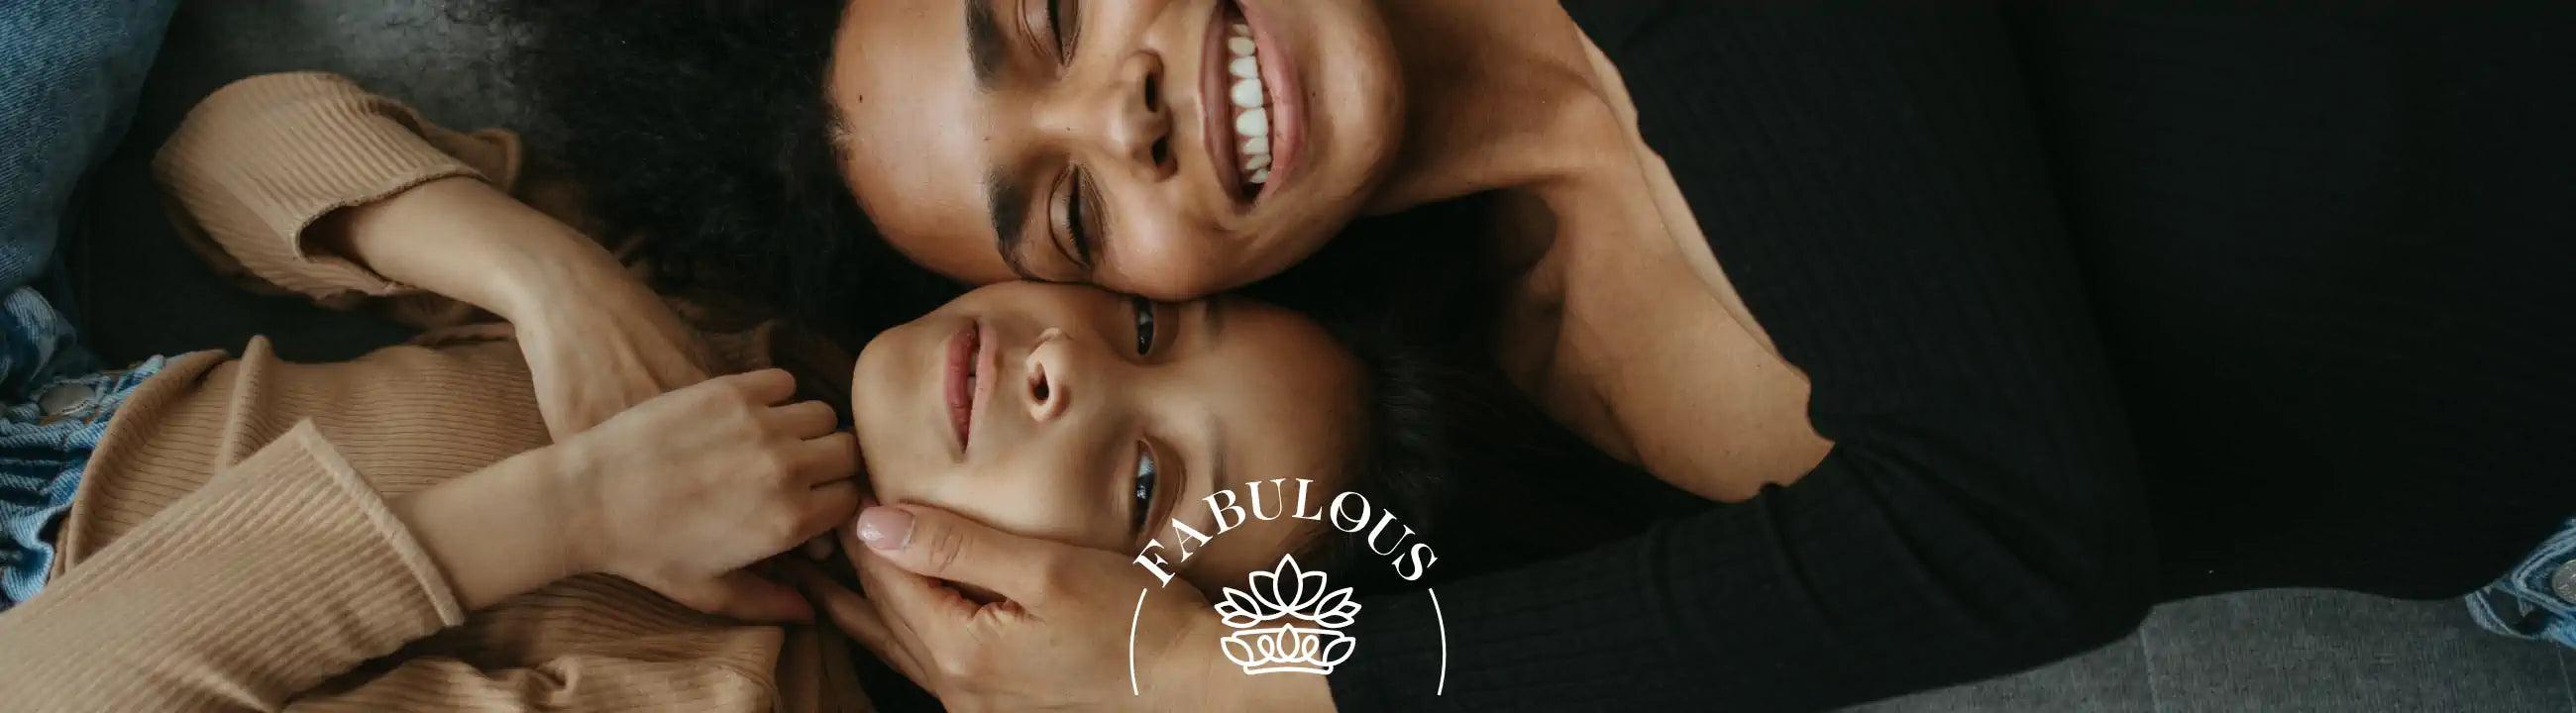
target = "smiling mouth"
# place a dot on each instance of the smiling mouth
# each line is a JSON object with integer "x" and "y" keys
{"x": 1248, "y": 125}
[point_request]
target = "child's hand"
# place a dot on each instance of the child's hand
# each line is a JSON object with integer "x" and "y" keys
{"x": 683, "y": 491}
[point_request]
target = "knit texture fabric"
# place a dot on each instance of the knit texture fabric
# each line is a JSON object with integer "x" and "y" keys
{"x": 2102, "y": 307}
{"x": 231, "y": 547}
{"x": 1874, "y": 187}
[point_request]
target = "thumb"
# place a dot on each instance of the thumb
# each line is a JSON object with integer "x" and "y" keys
{"x": 941, "y": 545}
{"x": 743, "y": 595}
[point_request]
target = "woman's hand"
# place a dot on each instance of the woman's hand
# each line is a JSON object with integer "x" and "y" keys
{"x": 682, "y": 492}
{"x": 1059, "y": 640}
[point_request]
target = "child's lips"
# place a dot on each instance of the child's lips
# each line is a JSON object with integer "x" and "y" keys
{"x": 959, "y": 381}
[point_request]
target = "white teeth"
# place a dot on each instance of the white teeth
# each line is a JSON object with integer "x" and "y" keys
{"x": 1252, "y": 122}
{"x": 1249, "y": 97}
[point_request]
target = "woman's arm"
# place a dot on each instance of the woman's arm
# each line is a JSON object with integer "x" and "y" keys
{"x": 1873, "y": 185}
{"x": 1874, "y": 188}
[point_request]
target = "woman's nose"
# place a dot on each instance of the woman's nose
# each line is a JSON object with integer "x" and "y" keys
{"x": 1047, "y": 378}
{"x": 1138, "y": 121}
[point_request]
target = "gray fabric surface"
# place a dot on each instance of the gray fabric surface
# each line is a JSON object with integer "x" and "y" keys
{"x": 2266, "y": 651}
{"x": 140, "y": 294}
{"x": 2286, "y": 650}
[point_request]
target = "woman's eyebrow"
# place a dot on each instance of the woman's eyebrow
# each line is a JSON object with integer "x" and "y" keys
{"x": 984, "y": 45}
{"x": 1006, "y": 199}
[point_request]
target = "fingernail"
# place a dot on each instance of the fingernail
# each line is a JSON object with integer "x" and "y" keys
{"x": 885, "y": 528}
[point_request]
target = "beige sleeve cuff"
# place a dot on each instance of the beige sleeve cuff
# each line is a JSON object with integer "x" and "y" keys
{"x": 283, "y": 571}
{"x": 261, "y": 159}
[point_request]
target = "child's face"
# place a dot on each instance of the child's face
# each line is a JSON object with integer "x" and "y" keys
{"x": 1082, "y": 416}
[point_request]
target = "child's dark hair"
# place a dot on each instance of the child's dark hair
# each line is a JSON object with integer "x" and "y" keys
{"x": 703, "y": 124}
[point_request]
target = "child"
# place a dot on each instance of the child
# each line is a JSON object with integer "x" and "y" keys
{"x": 400, "y": 532}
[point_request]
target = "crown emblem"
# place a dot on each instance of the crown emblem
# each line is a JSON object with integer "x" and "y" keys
{"x": 1288, "y": 622}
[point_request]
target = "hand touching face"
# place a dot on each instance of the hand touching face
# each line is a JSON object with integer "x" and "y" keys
{"x": 1085, "y": 417}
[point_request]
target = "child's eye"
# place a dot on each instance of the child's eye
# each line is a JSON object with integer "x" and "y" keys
{"x": 1145, "y": 472}
{"x": 1144, "y": 325}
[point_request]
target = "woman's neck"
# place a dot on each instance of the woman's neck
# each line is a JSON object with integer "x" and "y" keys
{"x": 1486, "y": 81}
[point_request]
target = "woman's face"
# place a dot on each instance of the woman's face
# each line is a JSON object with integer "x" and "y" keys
{"x": 1114, "y": 142}
{"x": 1077, "y": 415}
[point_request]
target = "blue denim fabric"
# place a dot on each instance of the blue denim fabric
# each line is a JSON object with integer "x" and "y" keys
{"x": 2522, "y": 604}
{"x": 69, "y": 74}
{"x": 56, "y": 411}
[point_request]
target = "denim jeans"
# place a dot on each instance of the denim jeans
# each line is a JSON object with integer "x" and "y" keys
{"x": 51, "y": 421}
{"x": 69, "y": 74}
{"x": 2537, "y": 600}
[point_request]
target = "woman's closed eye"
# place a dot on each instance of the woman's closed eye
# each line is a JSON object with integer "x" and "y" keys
{"x": 1081, "y": 205}
{"x": 1082, "y": 213}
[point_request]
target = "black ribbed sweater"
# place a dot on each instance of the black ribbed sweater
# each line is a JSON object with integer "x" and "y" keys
{"x": 1912, "y": 203}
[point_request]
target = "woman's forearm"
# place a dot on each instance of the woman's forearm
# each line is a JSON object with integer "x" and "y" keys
{"x": 467, "y": 240}
{"x": 496, "y": 533}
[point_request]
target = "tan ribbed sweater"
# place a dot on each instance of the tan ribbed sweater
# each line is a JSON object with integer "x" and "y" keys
{"x": 230, "y": 547}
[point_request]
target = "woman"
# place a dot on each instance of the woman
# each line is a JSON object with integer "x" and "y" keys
{"x": 1732, "y": 237}
{"x": 1895, "y": 369}
{"x": 1965, "y": 499}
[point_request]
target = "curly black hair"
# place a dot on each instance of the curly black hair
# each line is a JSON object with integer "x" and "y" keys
{"x": 703, "y": 125}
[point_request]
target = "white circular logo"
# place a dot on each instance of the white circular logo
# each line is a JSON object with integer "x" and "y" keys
{"x": 1289, "y": 619}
